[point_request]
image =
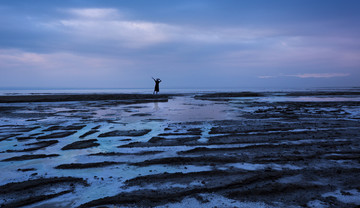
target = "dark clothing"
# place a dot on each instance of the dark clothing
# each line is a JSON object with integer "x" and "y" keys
{"x": 157, "y": 82}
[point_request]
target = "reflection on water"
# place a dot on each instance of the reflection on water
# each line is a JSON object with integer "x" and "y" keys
{"x": 308, "y": 99}
{"x": 185, "y": 109}
{"x": 25, "y": 91}
{"x": 326, "y": 99}
{"x": 189, "y": 109}
{"x": 156, "y": 106}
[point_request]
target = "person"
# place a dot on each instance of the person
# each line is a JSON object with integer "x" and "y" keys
{"x": 157, "y": 82}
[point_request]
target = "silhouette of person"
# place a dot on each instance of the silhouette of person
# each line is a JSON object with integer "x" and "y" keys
{"x": 157, "y": 82}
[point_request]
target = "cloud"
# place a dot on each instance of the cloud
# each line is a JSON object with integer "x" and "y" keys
{"x": 267, "y": 77}
{"x": 322, "y": 75}
{"x": 109, "y": 27}
{"x": 293, "y": 53}
{"x": 91, "y": 43}
{"x": 13, "y": 58}
{"x": 96, "y": 13}
{"x": 21, "y": 68}
{"x": 58, "y": 64}
{"x": 108, "y": 24}
{"x": 315, "y": 75}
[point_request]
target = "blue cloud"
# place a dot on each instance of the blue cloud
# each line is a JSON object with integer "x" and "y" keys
{"x": 226, "y": 42}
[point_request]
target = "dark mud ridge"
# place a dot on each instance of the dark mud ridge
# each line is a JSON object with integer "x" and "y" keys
{"x": 125, "y": 133}
{"x": 82, "y": 144}
{"x": 162, "y": 141}
{"x": 262, "y": 94}
{"x": 202, "y": 160}
{"x": 72, "y": 127}
{"x": 323, "y": 93}
{"x": 84, "y": 97}
{"x": 30, "y": 157}
{"x": 127, "y": 153}
{"x": 37, "y": 146}
{"x": 92, "y": 131}
{"x": 237, "y": 184}
{"x": 57, "y": 135}
{"x": 31, "y": 191}
{"x": 26, "y": 169}
{"x": 266, "y": 186}
{"x": 141, "y": 114}
{"x": 229, "y": 94}
{"x": 87, "y": 165}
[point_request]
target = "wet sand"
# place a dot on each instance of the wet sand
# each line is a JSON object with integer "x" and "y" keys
{"x": 127, "y": 98}
{"x": 242, "y": 149}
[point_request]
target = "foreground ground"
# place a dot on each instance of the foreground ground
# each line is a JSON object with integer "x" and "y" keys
{"x": 215, "y": 150}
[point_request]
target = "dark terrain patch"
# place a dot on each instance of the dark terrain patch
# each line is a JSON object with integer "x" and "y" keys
{"x": 30, "y": 157}
{"x": 26, "y": 169}
{"x": 57, "y": 135}
{"x": 28, "y": 192}
{"x": 123, "y": 153}
{"x": 125, "y": 133}
{"x": 38, "y": 145}
{"x": 201, "y": 160}
{"x": 87, "y": 165}
{"x": 2, "y": 138}
{"x": 120, "y": 98}
{"x": 161, "y": 196}
{"x": 24, "y": 138}
{"x": 66, "y": 128}
{"x": 81, "y": 144}
{"x": 162, "y": 141}
{"x": 92, "y": 131}
{"x": 229, "y": 94}
{"x": 141, "y": 114}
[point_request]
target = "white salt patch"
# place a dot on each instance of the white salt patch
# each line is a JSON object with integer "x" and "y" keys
{"x": 290, "y": 179}
{"x": 317, "y": 204}
{"x": 214, "y": 201}
{"x": 203, "y": 140}
{"x": 205, "y": 133}
{"x": 245, "y": 166}
{"x": 167, "y": 185}
{"x": 252, "y": 166}
{"x": 352, "y": 198}
{"x": 286, "y": 166}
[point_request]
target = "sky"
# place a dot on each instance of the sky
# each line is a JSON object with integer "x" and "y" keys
{"x": 192, "y": 44}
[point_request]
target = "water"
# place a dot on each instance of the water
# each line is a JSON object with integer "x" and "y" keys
{"x": 25, "y": 91}
{"x": 178, "y": 115}
{"x": 271, "y": 95}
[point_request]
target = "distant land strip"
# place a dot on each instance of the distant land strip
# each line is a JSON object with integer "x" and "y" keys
{"x": 126, "y": 98}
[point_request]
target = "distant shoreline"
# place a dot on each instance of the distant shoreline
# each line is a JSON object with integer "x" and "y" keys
{"x": 127, "y": 98}
{"x": 139, "y": 98}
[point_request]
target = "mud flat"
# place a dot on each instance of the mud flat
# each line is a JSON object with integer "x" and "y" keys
{"x": 85, "y": 165}
{"x": 32, "y": 191}
{"x": 127, "y": 98}
{"x": 82, "y": 144}
{"x": 236, "y": 149}
{"x": 125, "y": 133}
